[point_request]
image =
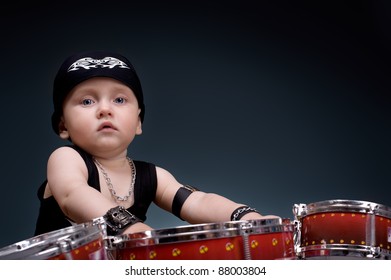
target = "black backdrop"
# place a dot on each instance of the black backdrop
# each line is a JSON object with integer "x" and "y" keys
{"x": 269, "y": 103}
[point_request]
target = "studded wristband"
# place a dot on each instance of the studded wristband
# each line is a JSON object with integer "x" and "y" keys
{"x": 118, "y": 219}
{"x": 239, "y": 212}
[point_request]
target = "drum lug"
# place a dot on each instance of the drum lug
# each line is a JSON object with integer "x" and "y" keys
{"x": 245, "y": 231}
{"x": 101, "y": 223}
{"x": 111, "y": 244}
{"x": 374, "y": 253}
{"x": 297, "y": 237}
{"x": 299, "y": 210}
{"x": 65, "y": 246}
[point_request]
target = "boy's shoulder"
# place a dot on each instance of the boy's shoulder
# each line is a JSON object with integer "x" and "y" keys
{"x": 66, "y": 150}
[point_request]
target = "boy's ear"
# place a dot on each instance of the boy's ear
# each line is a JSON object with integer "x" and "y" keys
{"x": 62, "y": 130}
{"x": 139, "y": 125}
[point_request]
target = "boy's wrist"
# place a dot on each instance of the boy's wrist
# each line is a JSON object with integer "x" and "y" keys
{"x": 118, "y": 219}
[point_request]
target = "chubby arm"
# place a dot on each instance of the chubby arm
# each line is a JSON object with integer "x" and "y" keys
{"x": 67, "y": 181}
{"x": 199, "y": 207}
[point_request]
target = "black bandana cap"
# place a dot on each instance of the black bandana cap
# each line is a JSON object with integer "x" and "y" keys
{"x": 83, "y": 66}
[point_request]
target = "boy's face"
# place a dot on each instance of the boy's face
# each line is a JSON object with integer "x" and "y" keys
{"x": 100, "y": 115}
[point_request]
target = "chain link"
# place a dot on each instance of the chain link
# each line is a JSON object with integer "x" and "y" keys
{"x": 110, "y": 185}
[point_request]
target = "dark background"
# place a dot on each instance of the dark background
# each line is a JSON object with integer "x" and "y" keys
{"x": 269, "y": 103}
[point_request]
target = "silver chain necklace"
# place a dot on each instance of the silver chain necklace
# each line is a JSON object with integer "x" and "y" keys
{"x": 110, "y": 185}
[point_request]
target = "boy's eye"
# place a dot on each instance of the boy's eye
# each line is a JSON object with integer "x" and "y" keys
{"x": 120, "y": 100}
{"x": 87, "y": 102}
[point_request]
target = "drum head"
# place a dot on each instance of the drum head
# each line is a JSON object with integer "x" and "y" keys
{"x": 181, "y": 234}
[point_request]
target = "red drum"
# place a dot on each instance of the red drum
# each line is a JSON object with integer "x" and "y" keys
{"x": 219, "y": 241}
{"x": 343, "y": 229}
{"x": 241, "y": 240}
{"x": 80, "y": 242}
{"x": 270, "y": 239}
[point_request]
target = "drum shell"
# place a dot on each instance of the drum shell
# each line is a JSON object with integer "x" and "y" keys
{"x": 271, "y": 240}
{"x": 343, "y": 229}
{"x": 255, "y": 239}
{"x": 211, "y": 241}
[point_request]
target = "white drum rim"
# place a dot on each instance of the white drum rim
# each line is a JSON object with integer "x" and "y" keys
{"x": 186, "y": 233}
{"x": 54, "y": 243}
{"x": 266, "y": 226}
{"x": 336, "y": 249}
{"x": 341, "y": 205}
{"x": 178, "y": 234}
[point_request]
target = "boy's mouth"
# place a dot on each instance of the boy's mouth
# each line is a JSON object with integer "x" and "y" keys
{"x": 106, "y": 125}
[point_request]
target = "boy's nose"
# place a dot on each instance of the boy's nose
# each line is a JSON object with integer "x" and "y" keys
{"x": 104, "y": 109}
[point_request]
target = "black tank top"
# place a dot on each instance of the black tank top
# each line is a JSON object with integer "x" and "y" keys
{"x": 51, "y": 217}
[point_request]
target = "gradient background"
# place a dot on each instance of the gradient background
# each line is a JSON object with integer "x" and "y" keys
{"x": 269, "y": 103}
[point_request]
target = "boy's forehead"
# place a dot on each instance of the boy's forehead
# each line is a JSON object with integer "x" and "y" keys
{"x": 95, "y": 84}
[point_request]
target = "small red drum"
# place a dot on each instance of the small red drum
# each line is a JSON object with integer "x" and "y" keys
{"x": 270, "y": 239}
{"x": 240, "y": 240}
{"x": 211, "y": 241}
{"x": 80, "y": 242}
{"x": 340, "y": 229}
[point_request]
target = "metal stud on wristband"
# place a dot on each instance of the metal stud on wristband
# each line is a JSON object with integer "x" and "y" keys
{"x": 118, "y": 219}
{"x": 239, "y": 212}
